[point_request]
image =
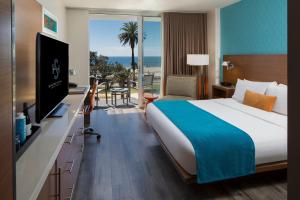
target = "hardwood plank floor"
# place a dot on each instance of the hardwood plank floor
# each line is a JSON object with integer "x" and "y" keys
{"x": 129, "y": 164}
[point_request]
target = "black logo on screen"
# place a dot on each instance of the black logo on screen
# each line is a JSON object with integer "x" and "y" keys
{"x": 55, "y": 69}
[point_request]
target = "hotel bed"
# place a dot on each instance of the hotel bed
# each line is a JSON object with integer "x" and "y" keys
{"x": 268, "y": 130}
{"x": 217, "y": 153}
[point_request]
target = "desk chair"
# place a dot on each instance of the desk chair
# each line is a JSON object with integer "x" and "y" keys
{"x": 89, "y": 107}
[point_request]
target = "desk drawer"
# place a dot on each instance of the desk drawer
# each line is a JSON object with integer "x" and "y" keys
{"x": 70, "y": 169}
{"x": 51, "y": 190}
{"x": 69, "y": 158}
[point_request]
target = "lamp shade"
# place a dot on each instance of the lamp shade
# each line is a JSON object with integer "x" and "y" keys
{"x": 197, "y": 59}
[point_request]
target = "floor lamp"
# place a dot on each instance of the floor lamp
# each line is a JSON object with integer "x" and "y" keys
{"x": 199, "y": 60}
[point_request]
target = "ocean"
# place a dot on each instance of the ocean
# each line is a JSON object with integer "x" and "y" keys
{"x": 149, "y": 61}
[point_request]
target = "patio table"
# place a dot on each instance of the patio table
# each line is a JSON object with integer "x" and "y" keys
{"x": 123, "y": 92}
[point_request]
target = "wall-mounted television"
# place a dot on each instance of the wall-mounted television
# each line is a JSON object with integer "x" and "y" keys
{"x": 52, "y": 74}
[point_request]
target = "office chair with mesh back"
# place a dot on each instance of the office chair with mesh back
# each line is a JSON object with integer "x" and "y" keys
{"x": 89, "y": 104}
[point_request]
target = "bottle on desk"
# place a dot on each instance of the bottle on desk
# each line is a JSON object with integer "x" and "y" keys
{"x": 21, "y": 127}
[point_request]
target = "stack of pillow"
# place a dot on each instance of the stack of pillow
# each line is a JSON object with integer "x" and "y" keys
{"x": 268, "y": 96}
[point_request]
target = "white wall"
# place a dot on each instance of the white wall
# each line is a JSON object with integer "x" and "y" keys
{"x": 73, "y": 29}
{"x": 78, "y": 39}
{"x": 57, "y": 8}
{"x": 213, "y": 37}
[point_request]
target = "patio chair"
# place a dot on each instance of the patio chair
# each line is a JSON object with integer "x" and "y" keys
{"x": 148, "y": 82}
{"x": 101, "y": 87}
{"x": 129, "y": 85}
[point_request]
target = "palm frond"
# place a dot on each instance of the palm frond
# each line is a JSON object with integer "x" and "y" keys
{"x": 129, "y": 34}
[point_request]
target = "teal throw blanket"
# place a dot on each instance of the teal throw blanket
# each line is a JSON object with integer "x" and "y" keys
{"x": 222, "y": 150}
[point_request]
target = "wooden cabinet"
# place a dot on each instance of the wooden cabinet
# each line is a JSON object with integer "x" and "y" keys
{"x": 69, "y": 158}
{"x": 28, "y": 21}
{"x": 219, "y": 91}
{"x": 62, "y": 180}
{"x": 51, "y": 188}
{"x": 6, "y": 114}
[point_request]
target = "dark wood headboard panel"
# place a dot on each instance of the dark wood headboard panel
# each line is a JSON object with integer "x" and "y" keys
{"x": 256, "y": 68}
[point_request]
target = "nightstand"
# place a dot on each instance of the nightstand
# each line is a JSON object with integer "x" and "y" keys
{"x": 219, "y": 91}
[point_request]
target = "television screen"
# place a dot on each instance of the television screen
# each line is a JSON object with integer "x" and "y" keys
{"x": 52, "y": 74}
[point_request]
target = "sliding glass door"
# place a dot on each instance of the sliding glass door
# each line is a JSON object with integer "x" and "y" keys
{"x": 126, "y": 46}
{"x": 149, "y": 56}
{"x": 152, "y": 54}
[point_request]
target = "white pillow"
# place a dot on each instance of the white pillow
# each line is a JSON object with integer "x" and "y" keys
{"x": 240, "y": 90}
{"x": 280, "y": 91}
{"x": 243, "y": 85}
{"x": 259, "y": 87}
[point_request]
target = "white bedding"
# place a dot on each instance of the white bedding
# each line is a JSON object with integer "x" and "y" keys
{"x": 268, "y": 130}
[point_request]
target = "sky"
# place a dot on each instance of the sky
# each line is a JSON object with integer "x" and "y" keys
{"x": 104, "y": 38}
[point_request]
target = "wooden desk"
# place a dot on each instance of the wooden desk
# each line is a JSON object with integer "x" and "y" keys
{"x": 48, "y": 169}
{"x": 219, "y": 91}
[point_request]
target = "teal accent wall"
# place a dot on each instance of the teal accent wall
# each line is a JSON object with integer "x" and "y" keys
{"x": 254, "y": 27}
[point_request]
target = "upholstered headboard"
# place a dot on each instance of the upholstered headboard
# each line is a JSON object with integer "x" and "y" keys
{"x": 256, "y": 68}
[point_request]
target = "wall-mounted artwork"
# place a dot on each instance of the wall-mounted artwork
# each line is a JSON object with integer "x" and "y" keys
{"x": 50, "y": 24}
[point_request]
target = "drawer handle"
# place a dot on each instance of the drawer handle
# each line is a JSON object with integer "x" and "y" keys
{"x": 71, "y": 194}
{"x": 71, "y": 139}
{"x": 71, "y": 167}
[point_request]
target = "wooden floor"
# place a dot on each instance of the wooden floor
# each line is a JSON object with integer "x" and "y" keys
{"x": 129, "y": 164}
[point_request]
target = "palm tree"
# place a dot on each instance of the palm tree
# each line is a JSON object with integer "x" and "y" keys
{"x": 129, "y": 36}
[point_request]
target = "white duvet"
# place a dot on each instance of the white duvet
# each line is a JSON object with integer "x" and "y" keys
{"x": 268, "y": 130}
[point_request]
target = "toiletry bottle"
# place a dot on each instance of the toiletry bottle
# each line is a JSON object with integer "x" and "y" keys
{"x": 21, "y": 127}
{"x": 28, "y": 121}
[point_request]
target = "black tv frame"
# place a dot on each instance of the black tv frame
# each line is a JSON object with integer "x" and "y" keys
{"x": 60, "y": 108}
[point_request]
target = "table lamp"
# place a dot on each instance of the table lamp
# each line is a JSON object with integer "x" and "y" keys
{"x": 199, "y": 60}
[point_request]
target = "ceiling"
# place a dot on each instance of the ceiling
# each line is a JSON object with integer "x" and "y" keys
{"x": 150, "y": 5}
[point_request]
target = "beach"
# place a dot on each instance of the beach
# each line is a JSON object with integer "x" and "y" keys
{"x": 153, "y": 70}
{"x": 150, "y": 70}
